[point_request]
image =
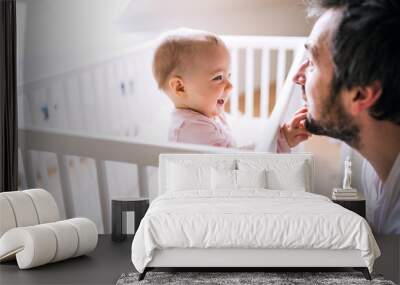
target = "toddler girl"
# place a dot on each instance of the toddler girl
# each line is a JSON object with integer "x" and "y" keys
{"x": 192, "y": 68}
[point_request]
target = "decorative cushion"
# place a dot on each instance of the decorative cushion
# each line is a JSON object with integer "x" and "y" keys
{"x": 45, "y": 205}
{"x": 67, "y": 237}
{"x": 282, "y": 174}
{"x": 87, "y": 233}
{"x": 30, "y": 232}
{"x": 31, "y": 246}
{"x": 7, "y": 216}
{"x": 40, "y": 244}
{"x": 292, "y": 172}
{"x": 251, "y": 178}
{"x": 27, "y": 208}
{"x": 223, "y": 179}
{"x": 181, "y": 177}
{"x": 23, "y": 208}
{"x": 293, "y": 180}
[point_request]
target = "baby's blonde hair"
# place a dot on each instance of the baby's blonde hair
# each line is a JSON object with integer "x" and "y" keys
{"x": 176, "y": 49}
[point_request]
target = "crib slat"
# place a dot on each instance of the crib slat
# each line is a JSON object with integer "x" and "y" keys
{"x": 120, "y": 96}
{"x": 70, "y": 102}
{"x": 104, "y": 195}
{"x": 127, "y": 112}
{"x": 265, "y": 82}
{"x": 63, "y": 97}
{"x": 234, "y": 101}
{"x": 82, "y": 111}
{"x": 143, "y": 181}
{"x": 95, "y": 105}
{"x": 27, "y": 109}
{"x": 112, "y": 98}
{"x": 48, "y": 100}
{"x": 66, "y": 189}
{"x": 28, "y": 168}
{"x": 249, "y": 82}
{"x": 281, "y": 70}
{"x": 43, "y": 169}
{"x": 88, "y": 101}
{"x": 296, "y": 53}
{"x": 107, "y": 115}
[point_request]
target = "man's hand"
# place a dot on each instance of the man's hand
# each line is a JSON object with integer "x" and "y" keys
{"x": 295, "y": 131}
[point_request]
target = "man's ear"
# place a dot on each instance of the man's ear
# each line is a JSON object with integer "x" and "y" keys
{"x": 176, "y": 85}
{"x": 365, "y": 97}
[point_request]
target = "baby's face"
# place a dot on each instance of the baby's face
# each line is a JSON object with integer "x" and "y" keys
{"x": 208, "y": 83}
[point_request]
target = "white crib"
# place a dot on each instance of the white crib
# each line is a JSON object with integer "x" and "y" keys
{"x": 76, "y": 127}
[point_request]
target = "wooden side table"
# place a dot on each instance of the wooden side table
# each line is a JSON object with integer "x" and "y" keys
{"x": 125, "y": 204}
{"x": 356, "y": 205}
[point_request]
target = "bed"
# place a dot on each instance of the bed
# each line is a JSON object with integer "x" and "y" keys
{"x": 247, "y": 210}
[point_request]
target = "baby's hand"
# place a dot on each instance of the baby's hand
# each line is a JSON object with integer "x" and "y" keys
{"x": 295, "y": 132}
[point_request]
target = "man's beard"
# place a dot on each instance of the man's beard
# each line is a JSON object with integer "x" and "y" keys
{"x": 339, "y": 126}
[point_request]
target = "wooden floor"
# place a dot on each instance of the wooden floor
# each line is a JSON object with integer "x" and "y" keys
{"x": 110, "y": 259}
{"x": 102, "y": 266}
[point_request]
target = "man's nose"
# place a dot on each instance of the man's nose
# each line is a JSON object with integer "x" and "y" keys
{"x": 300, "y": 77}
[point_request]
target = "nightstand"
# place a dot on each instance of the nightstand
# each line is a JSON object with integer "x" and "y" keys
{"x": 124, "y": 204}
{"x": 355, "y": 205}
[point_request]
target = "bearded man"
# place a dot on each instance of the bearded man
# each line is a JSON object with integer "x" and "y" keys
{"x": 351, "y": 83}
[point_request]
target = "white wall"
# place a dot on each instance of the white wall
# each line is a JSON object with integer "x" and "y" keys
{"x": 237, "y": 17}
{"x": 65, "y": 34}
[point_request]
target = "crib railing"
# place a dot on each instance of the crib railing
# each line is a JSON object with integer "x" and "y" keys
{"x": 101, "y": 149}
{"x": 286, "y": 50}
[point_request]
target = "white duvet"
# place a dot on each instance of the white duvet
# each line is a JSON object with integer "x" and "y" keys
{"x": 250, "y": 219}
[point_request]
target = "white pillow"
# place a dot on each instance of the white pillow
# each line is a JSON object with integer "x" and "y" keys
{"x": 292, "y": 181}
{"x": 251, "y": 178}
{"x": 227, "y": 179}
{"x": 223, "y": 179}
{"x": 181, "y": 177}
{"x": 282, "y": 174}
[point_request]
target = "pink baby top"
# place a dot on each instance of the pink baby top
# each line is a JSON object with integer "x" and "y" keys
{"x": 188, "y": 126}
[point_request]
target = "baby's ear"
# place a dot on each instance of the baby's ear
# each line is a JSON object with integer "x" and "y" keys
{"x": 176, "y": 85}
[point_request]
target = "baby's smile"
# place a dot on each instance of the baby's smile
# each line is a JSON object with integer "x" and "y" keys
{"x": 220, "y": 101}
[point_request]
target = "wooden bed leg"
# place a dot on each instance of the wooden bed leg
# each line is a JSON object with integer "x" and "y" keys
{"x": 364, "y": 271}
{"x": 143, "y": 274}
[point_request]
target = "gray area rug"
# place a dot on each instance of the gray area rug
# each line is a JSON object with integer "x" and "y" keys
{"x": 228, "y": 278}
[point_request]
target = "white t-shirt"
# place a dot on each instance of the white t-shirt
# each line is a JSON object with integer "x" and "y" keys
{"x": 382, "y": 199}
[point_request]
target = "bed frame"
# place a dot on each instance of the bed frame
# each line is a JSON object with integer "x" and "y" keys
{"x": 238, "y": 259}
{"x": 234, "y": 259}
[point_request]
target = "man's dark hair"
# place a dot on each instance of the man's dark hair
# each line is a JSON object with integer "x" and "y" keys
{"x": 366, "y": 49}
